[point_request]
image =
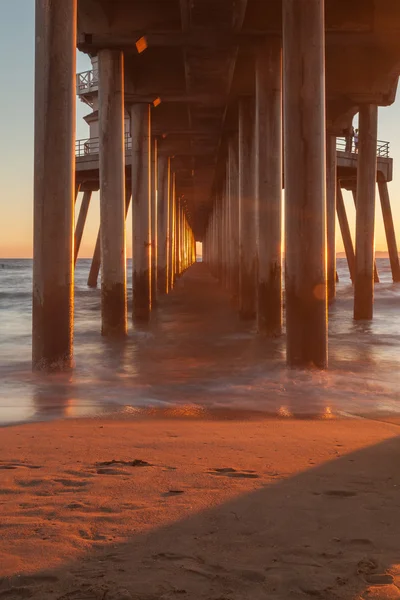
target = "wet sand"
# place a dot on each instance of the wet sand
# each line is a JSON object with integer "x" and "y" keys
{"x": 205, "y": 509}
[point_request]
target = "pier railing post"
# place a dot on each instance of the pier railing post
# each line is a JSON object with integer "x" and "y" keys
{"x": 365, "y": 213}
{"x": 112, "y": 193}
{"x": 305, "y": 182}
{"x": 54, "y": 187}
{"x": 141, "y": 211}
{"x": 269, "y": 186}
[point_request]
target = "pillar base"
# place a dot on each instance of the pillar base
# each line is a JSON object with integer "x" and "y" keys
{"x": 269, "y": 299}
{"x": 113, "y": 310}
{"x": 53, "y": 338}
{"x": 141, "y": 295}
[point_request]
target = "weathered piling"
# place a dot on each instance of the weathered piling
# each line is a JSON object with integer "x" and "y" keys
{"x": 141, "y": 211}
{"x": 154, "y": 220}
{"x": 345, "y": 230}
{"x": 268, "y": 166}
{"x": 54, "y": 184}
{"x": 331, "y": 181}
{"x": 376, "y": 274}
{"x": 80, "y": 226}
{"x": 164, "y": 187}
{"x": 305, "y": 182}
{"x": 389, "y": 229}
{"x": 247, "y": 212}
{"x": 112, "y": 193}
{"x": 365, "y": 214}
{"x": 233, "y": 182}
{"x": 172, "y": 233}
{"x": 95, "y": 264}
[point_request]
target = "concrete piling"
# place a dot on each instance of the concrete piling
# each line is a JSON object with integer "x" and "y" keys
{"x": 365, "y": 214}
{"x": 154, "y": 220}
{"x": 305, "y": 182}
{"x": 141, "y": 211}
{"x": 269, "y": 186}
{"x": 331, "y": 180}
{"x": 95, "y": 264}
{"x": 164, "y": 188}
{"x": 172, "y": 230}
{"x": 376, "y": 274}
{"x": 80, "y": 226}
{"x": 177, "y": 236}
{"x": 389, "y": 229}
{"x": 112, "y": 193}
{"x": 54, "y": 184}
{"x": 233, "y": 191}
{"x": 345, "y": 231}
{"x": 247, "y": 212}
{"x": 170, "y": 257}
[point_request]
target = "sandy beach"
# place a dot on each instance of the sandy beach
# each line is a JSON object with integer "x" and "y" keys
{"x": 181, "y": 507}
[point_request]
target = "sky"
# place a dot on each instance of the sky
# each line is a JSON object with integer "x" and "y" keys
{"x": 16, "y": 142}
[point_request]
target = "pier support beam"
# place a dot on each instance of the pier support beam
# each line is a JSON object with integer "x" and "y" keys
{"x": 269, "y": 186}
{"x": 178, "y": 216}
{"x": 112, "y": 193}
{"x": 345, "y": 230}
{"x": 331, "y": 179}
{"x": 54, "y": 188}
{"x": 164, "y": 187}
{"x": 247, "y": 212}
{"x": 233, "y": 191}
{"x": 376, "y": 274}
{"x": 171, "y": 231}
{"x": 154, "y": 220}
{"x": 96, "y": 260}
{"x": 389, "y": 229}
{"x": 95, "y": 265}
{"x": 365, "y": 213}
{"x": 305, "y": 182}
{"x": 141, "y": 211}
{"x": 80, "y": 226}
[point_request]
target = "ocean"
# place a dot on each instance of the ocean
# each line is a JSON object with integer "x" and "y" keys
{"x": 180, "y": 366}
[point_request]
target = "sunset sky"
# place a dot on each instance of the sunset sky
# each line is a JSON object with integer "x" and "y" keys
{"x": 16, "y": 148}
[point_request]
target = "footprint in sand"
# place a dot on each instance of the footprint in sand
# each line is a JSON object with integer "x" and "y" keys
{"x": 230, "y": 472}
{"x": 16, "y": 465}
{"x": 72, "y": 482}
{"x": 172, "y": 493}
{"x": 110, "y": 471}
{"x": 30, "y": 482}
{"x": 124, "y": 463}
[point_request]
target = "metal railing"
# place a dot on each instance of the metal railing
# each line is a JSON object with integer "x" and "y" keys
{"x": 91, "y": 146}
{"x": 344, "y": 145}
{"x": 86, "y": 82}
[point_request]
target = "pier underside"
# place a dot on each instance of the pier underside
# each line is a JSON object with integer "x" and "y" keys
{"x": 202, "y": 112}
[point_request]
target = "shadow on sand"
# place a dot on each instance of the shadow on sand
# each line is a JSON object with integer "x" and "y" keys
{"x": 330, "y": 532}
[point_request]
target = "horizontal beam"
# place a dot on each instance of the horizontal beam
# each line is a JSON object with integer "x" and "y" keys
{"x": 209, "y": 99}
{"x": 211, "y": 38}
